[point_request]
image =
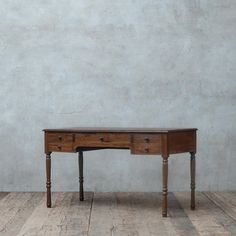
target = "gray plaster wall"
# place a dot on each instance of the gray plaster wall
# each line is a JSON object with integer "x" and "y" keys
{"x": 126, "y": 63}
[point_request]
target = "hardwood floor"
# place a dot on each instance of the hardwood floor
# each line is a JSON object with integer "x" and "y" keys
{"x": 117, "y": 214}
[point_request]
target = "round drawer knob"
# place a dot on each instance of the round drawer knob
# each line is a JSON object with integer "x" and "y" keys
{"x": 146, "y": 139}
{"x": 59, "y": 147}
{"x": 101, "y": 139}
{"x": 60, "y": 138}
{"x": 146, "y": 150}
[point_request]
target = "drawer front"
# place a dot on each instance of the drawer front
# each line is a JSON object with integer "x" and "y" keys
{"x": 146, "y": 148}
{"x": 59, "y": 137}
{"x": 60, "y": 147}
{"x": 146, "y": 138}
{"x": 146, "y": 144}
{"x": 103, "y": 139}
{"x": 59, "y": 142}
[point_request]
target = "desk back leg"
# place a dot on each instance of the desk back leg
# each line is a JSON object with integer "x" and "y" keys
{"x": 81, "y": 177}
{"x": 192, "y": 174}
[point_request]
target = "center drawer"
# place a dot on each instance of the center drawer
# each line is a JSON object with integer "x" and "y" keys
{"x": 102, "y": 139}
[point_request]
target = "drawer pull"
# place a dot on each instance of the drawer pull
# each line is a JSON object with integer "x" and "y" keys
{"x": 146, "y": 150}
{"x": 104, "y": 139}
{"x": 60, "y": 138}
{"x": 146, "y": 140}
{"x": 59, "y": 147}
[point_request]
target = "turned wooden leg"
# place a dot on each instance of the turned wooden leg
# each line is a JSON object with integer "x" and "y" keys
{"x": 164, "y": 185}
{"x": 48, "y": 175}
{"x": 192, "y": 174}
{"x": 81, "y": 177}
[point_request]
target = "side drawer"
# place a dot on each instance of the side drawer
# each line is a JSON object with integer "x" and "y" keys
{"x": 59, "y": 137}
{"x": 60, "y": 147}
{"x": 146, "y": 144}
{"x": 59, "y": 142}
{"x": 146, "y": 138}
{"x": 146, "y": 148}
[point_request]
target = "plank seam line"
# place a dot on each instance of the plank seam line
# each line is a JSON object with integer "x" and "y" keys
{"x": 90, "y": 214}
{"x": 194, "y": 228}
{"x": 218, "y": 205}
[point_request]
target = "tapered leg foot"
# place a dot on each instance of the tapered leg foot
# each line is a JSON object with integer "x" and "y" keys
{"x": 165, "y": 185}
{"x": 81, "y": 177}
{"x": 48, "y": 176}
{"x": 192, "y": 173}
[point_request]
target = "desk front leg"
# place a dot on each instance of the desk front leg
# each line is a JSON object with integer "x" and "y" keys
{"x": 164, "y": 185}
{"x": 48, "y": 176}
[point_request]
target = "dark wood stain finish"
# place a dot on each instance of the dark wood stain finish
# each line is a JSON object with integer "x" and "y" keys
{"x": 48, "y": 176}
{"x": 139, "y": 140}
{"x": 192, "y": 174}
{"x": 81, "y": 176}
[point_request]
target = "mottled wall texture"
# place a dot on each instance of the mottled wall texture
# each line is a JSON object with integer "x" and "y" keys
{"x": 126, "y": 63}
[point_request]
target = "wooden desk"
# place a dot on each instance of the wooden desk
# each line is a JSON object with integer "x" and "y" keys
{"x": 140, "y": 141}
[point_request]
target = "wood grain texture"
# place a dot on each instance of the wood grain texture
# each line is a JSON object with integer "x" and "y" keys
{"x": 117, "y": 214}
{"x": 182, "y": 142}
{"x": 48, "y": 179}
{"x": 179, "y": 218}
{"x": 226, "y": 201}
{"x": 164, "y": 185}
{"x": 68, "y": 217}
{"x": 146, "y": 148}
{"x": 192, "y": 179}
{"x": 77, "y": 218}
{"x": 81, "y": 175}
{"x": 3, "y": 194}
{"x": 208, "y": 218}
{"x": 115, "y": 130}
{"x": 21, "y": 213}
{"x": 127, "y": 214}
{"x": 139, "y": 141}
{"x": 12, "y": 208}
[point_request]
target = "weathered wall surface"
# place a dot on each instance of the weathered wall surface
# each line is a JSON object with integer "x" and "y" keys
{"x": 162, "y": 63}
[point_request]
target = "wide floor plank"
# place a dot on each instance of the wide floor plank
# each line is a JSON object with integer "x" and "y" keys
{"x": 14, "y": 210}
{"x": 179, "y": 217}
{"x": 64, "y": 218}
{"x": 208, "y": 218}
{"x": 123, "y": 214}
{"x": 77, "y": 217}
{"x": 21, "y": 214}
{"x": 225, "y": 201}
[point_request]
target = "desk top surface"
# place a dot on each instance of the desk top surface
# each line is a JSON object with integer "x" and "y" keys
{"x": 119, "y": 130}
